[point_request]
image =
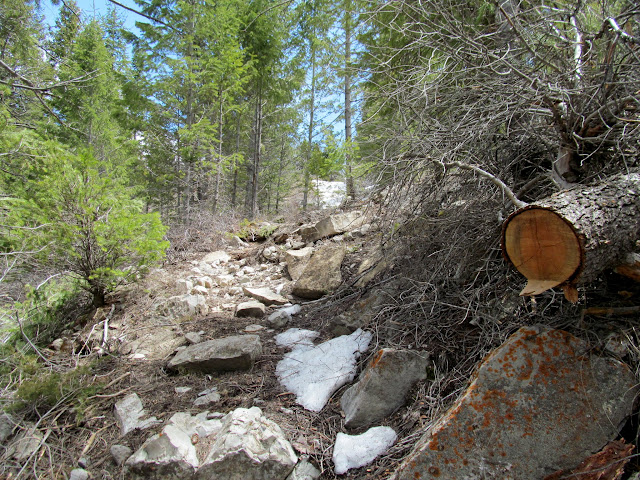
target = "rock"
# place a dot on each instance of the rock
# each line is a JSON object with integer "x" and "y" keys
{"x": 120, "y": 453}
{"x": 219, "y": 355}
{"x": 57, "y": 344}
{"x": 172, "y": 455}
{"x": 297, "y": 261}
{"x": 264, "y": 295}
{"x": 217, "y": 257}
{"x": 129, "y": 413}
{"x": 279, "y": 318}
{"x": 332, "y": 225}
{"x": 200, "y": 290}
{"x": 7, "y": 424}
{"x": 383, "y": 386}
{"x": 79, "y": 474}
{"x": 183, "y": 306}
{"x": 542, "y": 393}
{"x": 193, "y": 338}
{"x": 354, "y": 451}
{"x": 224, "y": 280}
{"x": 252, "y": 308}
{"x": 24, "y": 444}
{"x": 322, "y": 274}
{"x": 208, "y": 399}
{"x": 237, "y": 242}
{"x": 253, "y": 328}
{"x": 84, "y": 462}
{"x": 205, "y": 282}
{"x": 371, "y": 267}
{"x": 271, "y": 253}
{"x": 182, "y": 390}
{"x": 304, "y": 471}
{"x": 248, "y": 447}
{"x": 185, "y": 286}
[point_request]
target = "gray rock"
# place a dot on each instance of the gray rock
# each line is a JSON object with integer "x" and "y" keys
{"x": 219, "y": 256}
{"x": 207, "y": 400}
{"x": 279, "y": 318}
{"x": 224, "y": 280}
{"x": 24, "y": 444}
{"x": 84, "y": 462}
{"x": 383, "y": 386}
{"x": 252, "y": 308}
{"x": 297, "y": 261}
{"x": 264, "y": 295}
{"x": 185, "y": 286}
{"x": 193, "y": 337}
{"x": 120, "y": 453}
{"x": 79, "y": 474}
{"x": 322, "y": 274}
{"x": 332, "y": 225}
{"x": 253, "y": 328}
{"x": 248, "y": 447}
{"x": 237, "y": 242}
{"x": 129, "y": 413}
{"x": 304, "y": 471}
{"x": 542, "y": 393}
{"x": 7, "y": 424}
{"x": 222, "y": 354}
{"x": 172, "y": 454}
{"x": 183, "y": 306}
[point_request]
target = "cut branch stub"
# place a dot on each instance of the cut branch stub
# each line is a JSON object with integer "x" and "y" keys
{"x": 544, "y": 247}
{"x": 574, "y": 235}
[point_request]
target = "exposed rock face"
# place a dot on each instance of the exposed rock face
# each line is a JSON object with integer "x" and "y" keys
{"x": 7, "y": 424}
{"x": 297, "y": 261}
{"x": 129, "y": 414}
{"x": 383, "y": 387}
{"x": 332, "y": 225}
{"x": 248, "y": 447}
{"x": 541, "y": 393}
{"x": 322, "y": 274}
{"x": 252, "y": 308}
{"x": 264, "y": 295}
{"x": 219, "y": 355}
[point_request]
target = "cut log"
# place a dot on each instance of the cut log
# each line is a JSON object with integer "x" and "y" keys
{"x": 572, "y": 236}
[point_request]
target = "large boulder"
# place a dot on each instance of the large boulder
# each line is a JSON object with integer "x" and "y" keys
{"x": 222, "y": 354}
{"x": 297, "y": 261}
{"x": 248, "y": 447}
{"x": 322, "y": 274}
{"x": 264, "y": 295}
{"x": 332, "y": 225}
{"x": 383, "y": 386}
{"x": 539, "y": 403}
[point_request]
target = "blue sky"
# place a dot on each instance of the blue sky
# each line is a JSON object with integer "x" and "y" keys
{"x": 91, "y": 8}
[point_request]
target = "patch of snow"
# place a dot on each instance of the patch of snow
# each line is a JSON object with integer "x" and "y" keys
{"x": 354, "y": 451}
{"x": 330, "y": 194}
{"x": 296, "y": 337}
{"x": 314, "y": 373}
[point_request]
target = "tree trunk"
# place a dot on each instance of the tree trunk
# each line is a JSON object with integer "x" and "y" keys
{"x": 312, "y": 107}
{"x": 572, "y": 236}
{"x": 347, "y": 99}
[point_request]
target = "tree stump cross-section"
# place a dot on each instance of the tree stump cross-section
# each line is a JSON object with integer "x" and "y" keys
{"x": 572, "y": 236}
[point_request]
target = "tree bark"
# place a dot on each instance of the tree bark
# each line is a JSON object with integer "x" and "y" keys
{"x": 572, "y": 236}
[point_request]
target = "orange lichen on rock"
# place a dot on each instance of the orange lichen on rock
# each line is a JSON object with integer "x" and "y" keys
{"x": 531, "y": 395}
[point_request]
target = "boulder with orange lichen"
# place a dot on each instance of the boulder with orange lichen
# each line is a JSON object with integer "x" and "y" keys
{"x": 538, "y": 404}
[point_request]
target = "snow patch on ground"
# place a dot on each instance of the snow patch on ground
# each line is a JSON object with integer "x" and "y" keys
{"x": 313, "y": 373}
{"x": 296, "y": 337}
{"x": 354, "y": 451}
{"x": 330, "y": 194}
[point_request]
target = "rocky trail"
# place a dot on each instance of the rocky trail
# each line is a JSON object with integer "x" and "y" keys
{"x": 240, "y": 364}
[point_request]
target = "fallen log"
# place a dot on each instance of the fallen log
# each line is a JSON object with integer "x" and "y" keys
{"x": 573, "y": 235}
